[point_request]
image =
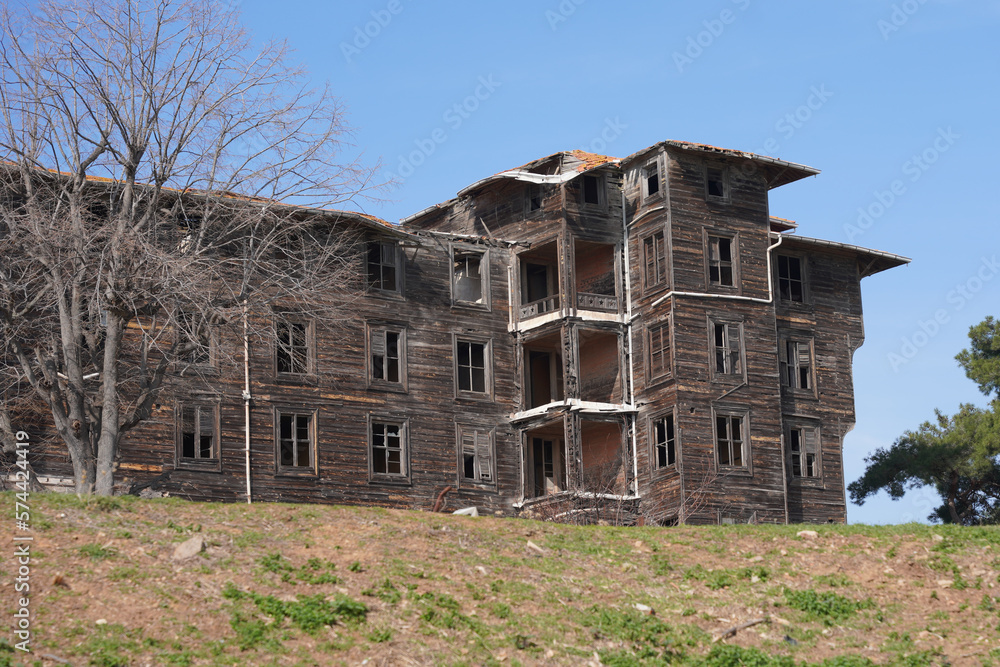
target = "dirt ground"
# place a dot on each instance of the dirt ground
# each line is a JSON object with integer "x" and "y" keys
{"x": 322, "y": 585}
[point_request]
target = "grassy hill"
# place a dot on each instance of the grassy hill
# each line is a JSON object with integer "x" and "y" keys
{"x": 329, "y": 585}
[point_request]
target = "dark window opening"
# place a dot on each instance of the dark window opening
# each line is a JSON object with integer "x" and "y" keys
{"x": 467, "y": 277}
{"x": 476, "y": 455}
{"x": 295, "y": 442}
{"x": 728, "y": 357}
{"x": 387, "y": 449}
{"x": 796, "y": 364}
{"x": 720, "y": 261}
{"x": 652, "y": 176}
{"x": 654, "y": 250}
{"x": 803, "y": 448}
{"x": 471, "y": 363}
{"x": 591, "y": 189}
{"x": 387, "y": 356}
{"x": 659, "y": 351}
{"x": 664, "y": 442}
{"x": 293, "y": 347}
{"x": 197, "y": 430}
{"x": 715, "y": 183}
{"x": 382, "y": 266}
{"x": 533, "y": 198}
{"x": 729, "y": 440}
{"x": 790, "y": 281}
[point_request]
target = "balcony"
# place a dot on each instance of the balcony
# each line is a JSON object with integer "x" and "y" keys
{"x": 600, "y": 302}
{"x": 540, "y": 307}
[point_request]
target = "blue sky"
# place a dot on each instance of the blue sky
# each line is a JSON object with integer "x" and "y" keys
{"x": 896, "y": 102}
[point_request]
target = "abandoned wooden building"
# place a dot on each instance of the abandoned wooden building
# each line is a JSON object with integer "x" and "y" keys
{"x": 582, "y": 331}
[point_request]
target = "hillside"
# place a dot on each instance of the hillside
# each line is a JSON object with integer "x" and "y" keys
{"x": 325, "y": 585}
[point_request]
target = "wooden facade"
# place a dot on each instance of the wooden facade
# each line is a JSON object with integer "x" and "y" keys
{"x": 580, "y": 331}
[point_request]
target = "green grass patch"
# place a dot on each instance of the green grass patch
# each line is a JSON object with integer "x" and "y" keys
{"x": 98, "y": 552}
{"x": 826, "y": 607}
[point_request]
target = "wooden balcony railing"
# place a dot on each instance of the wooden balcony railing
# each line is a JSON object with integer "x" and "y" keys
{"x": 600, "y": 302}
{"x": 540, "y": 307}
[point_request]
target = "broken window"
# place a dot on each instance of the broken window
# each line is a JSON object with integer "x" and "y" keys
{"x": 293, "y": 353}
{"x": 716, "y": 184}
{"x": 659, "y": 350}
{"x": 387, "y": 346}
{"x": 664, "y": 442}
{"x": 795, "y": 357}
{"x": 197, "y": 433}
{"x": 383, "y": 266}
{"x": 475, "y": 454}
{"x": 388, "y": 449}
{"x": 194, "y": 339}
{"x": 654, "y": 254}
{"x": 472, "y": 367}
{"x": 790, "y": 279}
{"x": 469, "y": 276}
{"x": 296, "y": 441}
{"x": 546, "y": 467}
{"x": 721, "y": 264}
{"x": 651, "y": 179}
{"x": 726, "y": 337}
{"x": 730, "y": 439}
{"x": 593, "y": 189}
{"x": 804, "y": 451}
{"x": 532, "y": 198}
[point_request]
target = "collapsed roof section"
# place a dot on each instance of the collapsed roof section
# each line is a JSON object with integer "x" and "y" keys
{"x": 564, "y": 166}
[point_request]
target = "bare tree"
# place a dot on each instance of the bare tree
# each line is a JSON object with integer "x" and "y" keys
{"x": 146, "y": 144}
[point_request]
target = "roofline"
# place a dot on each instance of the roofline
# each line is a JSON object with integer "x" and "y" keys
{"x": 893, "y": 259}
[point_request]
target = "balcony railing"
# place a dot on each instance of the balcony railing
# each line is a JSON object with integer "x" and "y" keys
{"x": 540, "y": 307}
{"x": 600, "y": 302}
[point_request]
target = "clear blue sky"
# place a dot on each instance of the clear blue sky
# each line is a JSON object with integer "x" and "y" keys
{"x": 881, "y": 96}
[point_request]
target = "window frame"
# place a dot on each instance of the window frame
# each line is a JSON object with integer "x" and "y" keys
{"x": 373, "y": 329}
{"x": 207, "y": 464}
{"x": 487, "y": 344}
{"x": 648, "y": 286}
{"x": 486, "y": 303}
{"x": 731, "y": 412}
{"x": 311, "y": 470}
{"x": 811, "y": 437}
{"x": 652, "y": 169}
{"x": 734, "y": 252}
{"x": 602, "y": 187}
{"x": 309, "y": 327}
{"x": 531, "y": 191}
{"x": 489, "y": 432}
{"x": 726, "y": 196}
{"x": 210, "y": 343}
{"x": 716, "y": 320}
{"x": 404, "y": 476}
{"x": 803, "y": 280}
{"x": 398, "y": 266}
{"x": 659, "y": 325}
{"x": 654, "y": 446}
{"x": 785, "y": 365}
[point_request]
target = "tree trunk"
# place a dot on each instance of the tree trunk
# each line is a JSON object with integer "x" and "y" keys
{"x": 952, "y": 493}
{"x": 107, "y": 444}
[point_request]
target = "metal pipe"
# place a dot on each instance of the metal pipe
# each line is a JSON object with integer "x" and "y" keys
{"x": 246, "y": 393}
